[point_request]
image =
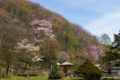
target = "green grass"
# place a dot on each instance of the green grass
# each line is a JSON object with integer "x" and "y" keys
{"x": 41, "y": 78}
{"x": 25, "y": 78}
{"x": 36, "y": 78}
{"x": 73, "y": 78}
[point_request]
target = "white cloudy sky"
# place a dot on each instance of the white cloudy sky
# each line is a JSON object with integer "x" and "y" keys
{"x": 96, "y": 16}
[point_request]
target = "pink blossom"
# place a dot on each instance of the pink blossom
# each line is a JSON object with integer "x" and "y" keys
{"x": 27, "y": 47}
{"x": 41, "y": 27}
{"x": 95, "y": 51}
{"x": 42, "y": 23}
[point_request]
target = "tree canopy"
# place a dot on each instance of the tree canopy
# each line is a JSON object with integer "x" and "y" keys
{"x": 113, "y": 53}
{"x": 105, "y": 40}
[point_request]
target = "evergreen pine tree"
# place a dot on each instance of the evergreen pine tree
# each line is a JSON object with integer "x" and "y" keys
{"x": 89, "y": 71}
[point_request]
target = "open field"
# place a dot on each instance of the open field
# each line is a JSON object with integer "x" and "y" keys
{"x": 26, "y": 78}
{"x": 36, "y": 78}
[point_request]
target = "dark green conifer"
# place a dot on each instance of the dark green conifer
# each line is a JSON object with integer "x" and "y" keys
{"x": 89, "y": 71}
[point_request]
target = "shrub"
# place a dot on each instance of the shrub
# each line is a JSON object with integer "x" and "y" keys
{"x": 30, "y": 74}
{"x": 3, "y": 73}
{"x": 55, "y": 74}
{"x": 22, "y": 75}
{"x": 33, "y": 74}
{"x": 89, "y": 71}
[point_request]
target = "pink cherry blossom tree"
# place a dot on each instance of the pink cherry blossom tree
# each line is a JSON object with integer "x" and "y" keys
{"x": 94, "y": 51}
{"x": 27, "y": 49}
{"x": 26, "y": 52}
{"x": 42, "y": 29}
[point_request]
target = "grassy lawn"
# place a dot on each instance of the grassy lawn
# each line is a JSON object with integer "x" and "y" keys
{"x": 42, "y": 78}
{"x": 73, "y": 78}
{"x": 36, "y": 78}
{"x": 25, "y": 78}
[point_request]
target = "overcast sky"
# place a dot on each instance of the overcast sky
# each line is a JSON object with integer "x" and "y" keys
{"x": 96, "y": 16}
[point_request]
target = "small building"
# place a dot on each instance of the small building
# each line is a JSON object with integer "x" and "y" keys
{"x": 105, "y": 73}
{"x": 99, "y": 66}
{"x": 114, "y": 70}
{"x": 118, "y": 60}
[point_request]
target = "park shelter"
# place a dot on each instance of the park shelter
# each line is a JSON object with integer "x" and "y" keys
{"x": 66, "y": 65}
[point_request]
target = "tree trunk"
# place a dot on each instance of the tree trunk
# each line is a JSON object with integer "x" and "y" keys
{"x": 7, "y": 70}
{"x": 29, "y": 66}
{"x": 25, "y": 66}
{"x": 10, "y": 69}
{"x": 66, "y": 42}
{"x": 0, "y": 73}
{"x": 33, "y": 69}
{"x": 17, "y": 67}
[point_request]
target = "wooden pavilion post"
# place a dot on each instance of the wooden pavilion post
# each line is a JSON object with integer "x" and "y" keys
{"x": 66, "y": 69}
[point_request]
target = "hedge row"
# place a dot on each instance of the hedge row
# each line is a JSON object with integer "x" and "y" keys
{"x": 28, "y": 74}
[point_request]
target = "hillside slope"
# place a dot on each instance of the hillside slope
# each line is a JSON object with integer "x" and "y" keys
{"x": 20, "y": 13}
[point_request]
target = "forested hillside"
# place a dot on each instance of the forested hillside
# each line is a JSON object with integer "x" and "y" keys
{"x": 29, "y": 31}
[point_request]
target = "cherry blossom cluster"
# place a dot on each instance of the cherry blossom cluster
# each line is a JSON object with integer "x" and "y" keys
{"x": 42, "y": 23}
{"x": 27, "y": 47}
{"x": 41, "y": 27}
{"x": 94, "y": 51}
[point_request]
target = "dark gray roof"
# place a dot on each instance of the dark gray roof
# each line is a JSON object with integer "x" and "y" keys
{"x": 114, "y": 68}
{"x": 118, "y": 60}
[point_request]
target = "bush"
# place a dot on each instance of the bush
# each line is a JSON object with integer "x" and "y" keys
{"x": 89, "y": 71}
{"x": 33, "y": 74}
{"x": 3, "y": 73}
{"x": 22, "y": 75}
{"x": 54, "y": 74}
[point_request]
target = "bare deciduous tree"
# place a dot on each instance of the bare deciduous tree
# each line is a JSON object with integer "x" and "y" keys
{"x": 63, "y": 57}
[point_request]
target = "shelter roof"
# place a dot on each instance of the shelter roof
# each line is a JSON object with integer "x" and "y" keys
{"x": 67, "y": 64}
{"x": 118, "y": 60}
